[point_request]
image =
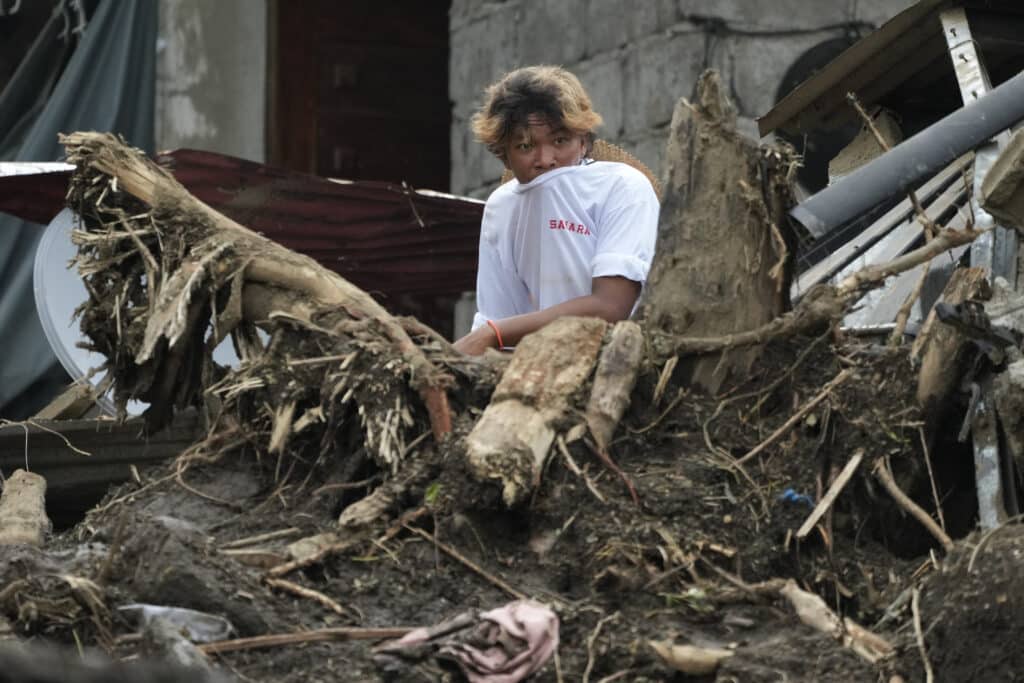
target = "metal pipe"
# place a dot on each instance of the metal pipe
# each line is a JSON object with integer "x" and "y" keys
{"x": 916, "y": 159}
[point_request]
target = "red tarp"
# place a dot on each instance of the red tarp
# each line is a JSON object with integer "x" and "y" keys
{"x": 414, "y": 251}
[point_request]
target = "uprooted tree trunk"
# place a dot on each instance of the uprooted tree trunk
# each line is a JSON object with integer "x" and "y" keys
{"x": 722, "y": 262}
{"x": 169, "y": 278}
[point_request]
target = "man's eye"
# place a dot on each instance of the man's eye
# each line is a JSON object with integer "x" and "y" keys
{"x": 561, "y": 140}
{"x": 524, "y": 146}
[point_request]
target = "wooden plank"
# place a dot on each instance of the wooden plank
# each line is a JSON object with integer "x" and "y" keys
{"x": 870, "y": 236}
{"x": 830, "y": 496}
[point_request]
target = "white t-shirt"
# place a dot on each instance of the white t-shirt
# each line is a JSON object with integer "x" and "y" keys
{"x": 542, "y": 242}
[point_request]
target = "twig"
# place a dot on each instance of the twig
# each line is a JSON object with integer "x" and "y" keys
{"x": 931, "y": 478}
{"x": 340, "y": 546}
{"x": 570, "y": 463}
{"x": 668, "y": 409}
{"x": 309, "y": 593}
{"x": 663, "y": 378}
{"x": 129, "y": 496}
{"x": 762, "y": 590}
{"x": 469, "y": 564}
{"x": 346, "y": 485}
{"x": 903, "y": 315}
{"x": 884, "y": 476}
{"x": 260, "y": 538}
{"x": 830, "y": 496}
{"x": 4, "y": 424}
{"x": 929, "y": 225}
{"x": 345, "y": 358}
{"x": 929, "y": 674}
{"x": 180, "y": 479}
{"x": 320, "y": 635}
{"x": 985, "y": 539}
{"x": 808, "y": 407}
{"x": 603, "y": 456}
{"x": 590, "y": 644}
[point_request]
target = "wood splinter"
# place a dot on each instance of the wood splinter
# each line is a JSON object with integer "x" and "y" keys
{"x": 830, "y": 496}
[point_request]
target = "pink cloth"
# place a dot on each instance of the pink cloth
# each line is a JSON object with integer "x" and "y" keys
{"x": 504, "y": 645}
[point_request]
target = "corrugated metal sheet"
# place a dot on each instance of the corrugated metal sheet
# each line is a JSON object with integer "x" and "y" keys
{"x": 387, "y": 238}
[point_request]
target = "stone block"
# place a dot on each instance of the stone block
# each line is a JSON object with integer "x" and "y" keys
{"x": 754, "y": 66}
{"x": 877, "y": 12}
{"x": 480, "y": 52}
{"x": 657, "y": 73}
{"x": 757, "y": 15}
{"x": 611, "y": 24}
{"x": 551, "y": 32}
{"x": 603, "y": 81}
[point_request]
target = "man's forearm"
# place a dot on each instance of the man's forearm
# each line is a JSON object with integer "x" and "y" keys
{"x": 515, "y": 328}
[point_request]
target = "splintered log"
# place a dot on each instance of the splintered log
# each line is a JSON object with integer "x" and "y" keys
{"x": 614, "y": 381}
{"x": 549, "y": 368}
{"x": 23, "y": 519}
{"x": 941, "y": 347}
{"x": 169, "y": 278}
{"x": 721, "y": 264}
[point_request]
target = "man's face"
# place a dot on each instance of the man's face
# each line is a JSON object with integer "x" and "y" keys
{"x": 537, "y": 148}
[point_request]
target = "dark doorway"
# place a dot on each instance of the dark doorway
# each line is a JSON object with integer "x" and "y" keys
{"x": 359, "y": 90}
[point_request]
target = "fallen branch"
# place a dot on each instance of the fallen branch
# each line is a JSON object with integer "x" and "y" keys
{"x": 260, "y": 538}
{"x": 929, "y": 674}
{"x": 591, "y": 641}
{"x": 813, "y": 611}
{"x": 456, "y": 555}
{"x": 308, "y": 593}
{"x": 884, "y": 476}
{"x": 830, "y": 496}
{"x": 808, "y": 407}
{"x": 318, "y": 636}
{"x": 825, "y": 303}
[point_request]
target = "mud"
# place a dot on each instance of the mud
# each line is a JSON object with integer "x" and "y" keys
{"x": 650, "y": 572}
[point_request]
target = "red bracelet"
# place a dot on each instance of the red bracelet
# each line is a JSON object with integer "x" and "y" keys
{"x": 497, "y": 333}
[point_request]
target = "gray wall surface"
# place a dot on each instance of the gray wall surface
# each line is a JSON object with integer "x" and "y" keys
{"x": 636, "y": 58}
{"x": 211, "y": 76}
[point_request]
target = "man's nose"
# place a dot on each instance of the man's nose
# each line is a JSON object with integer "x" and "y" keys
{"x": 545, "y": 156}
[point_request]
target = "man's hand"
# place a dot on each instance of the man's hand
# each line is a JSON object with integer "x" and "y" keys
{"x": 612, "y": 299}
{"x": 477, "y": 341}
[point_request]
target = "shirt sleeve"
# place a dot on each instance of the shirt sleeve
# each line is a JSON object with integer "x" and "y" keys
{"x": 627, "y": 231}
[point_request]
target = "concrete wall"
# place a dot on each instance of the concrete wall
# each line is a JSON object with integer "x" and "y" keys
{"x": 211, "y": 76}
{"x": 636, "y": 59}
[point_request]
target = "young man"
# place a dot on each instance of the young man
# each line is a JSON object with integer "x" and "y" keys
{"x": 567, "y": 235}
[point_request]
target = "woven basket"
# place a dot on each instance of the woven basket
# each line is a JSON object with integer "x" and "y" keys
{"x": 606, "y": 151}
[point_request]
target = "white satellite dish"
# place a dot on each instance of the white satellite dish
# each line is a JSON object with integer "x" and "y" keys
{"x": 59, "y": 291}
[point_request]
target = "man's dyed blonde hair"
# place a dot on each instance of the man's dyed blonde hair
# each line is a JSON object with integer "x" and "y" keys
{"x": 550, "y": 91}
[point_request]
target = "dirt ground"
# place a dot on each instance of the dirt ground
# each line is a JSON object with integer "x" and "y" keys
{"x": 678, "y": 566}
